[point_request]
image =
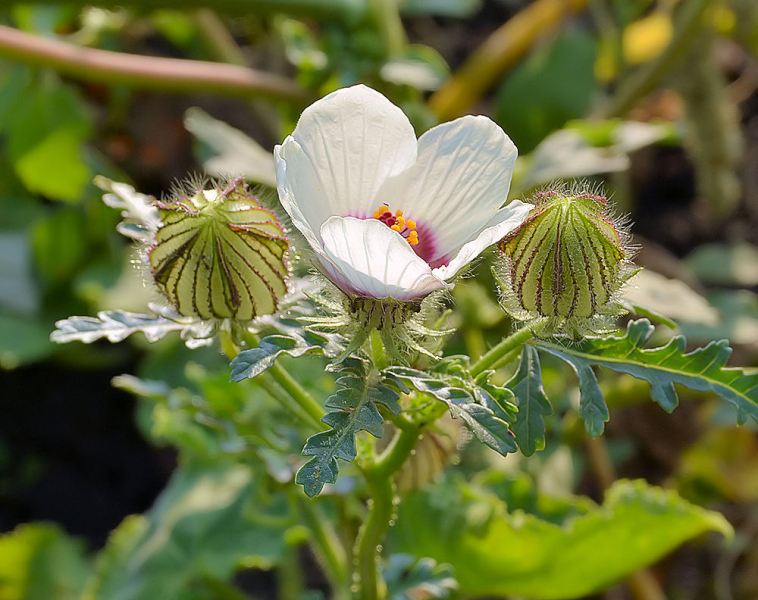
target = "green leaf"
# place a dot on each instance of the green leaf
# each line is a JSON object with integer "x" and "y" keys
{"x": 117, "y": 325}
{"x": 48, "y": 128}
{"x": 208, "y": 522}
{"x": 533, "y": 404}
{"x": 488, "y": 427}
{"x": 352, "y": 408}
{"x": 250, "y": 363}
{"x": 229, "y": 151}
{"x": 702, "y": 369}
{"x": 39, "y": 562}
{"x": 409, "y": 578}
{"x": 498, "y": 554}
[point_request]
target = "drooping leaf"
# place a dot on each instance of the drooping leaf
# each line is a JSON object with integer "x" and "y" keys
{"x": 409, "y": 578}
{"x": 38, "y": 561}
{"x": 533, "y": 404}
{"x": 116, "y": 326}
{"x": 206, "y": 523}
{"x": 702, "y": 369}
{"x": 488, "y": 427}
{"x": 352, "y": 408}
{"x": 494, "y": 553}
{"x": 250, "y": 363}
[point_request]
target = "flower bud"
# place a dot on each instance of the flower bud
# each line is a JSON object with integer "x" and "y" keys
{"x": 565, "y": 263}
{"x": 219, "y": 255}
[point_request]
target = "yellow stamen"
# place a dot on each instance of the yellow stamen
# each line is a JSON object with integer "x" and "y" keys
{"x": 405, "y": 227}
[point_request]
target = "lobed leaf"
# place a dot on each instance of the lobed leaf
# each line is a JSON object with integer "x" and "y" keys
{"x": 533, "y": 405}
{"x": 117, "y": 325}
{"x": 141, "y": 217}
{"x": 296, "y": 342}
{"x": 488, "y": 427}
{"x": 352, "y": 408}
{"x": 702, "y": 369}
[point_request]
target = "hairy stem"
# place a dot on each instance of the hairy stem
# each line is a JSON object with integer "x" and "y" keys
{"x": 148, "y": 72}
{"x": 379, "y": 478}
{"x": 503, "y": 348}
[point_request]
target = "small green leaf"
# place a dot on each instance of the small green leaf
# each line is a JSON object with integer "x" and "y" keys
{"x": 486, "y": 425}
{"x": 409, "y": 578}
{"x": 533, "y": 404}
{"x": 494, "y": 553}
{"x": 352, "y": 408}
{"x": 702, "y": 369}
{"x": 250, "y": 363}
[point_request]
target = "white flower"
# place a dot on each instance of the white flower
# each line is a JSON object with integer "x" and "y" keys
{"x": 353, "y": 168}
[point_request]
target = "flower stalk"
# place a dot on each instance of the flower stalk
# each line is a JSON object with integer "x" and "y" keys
{"x": 506, "y": 346}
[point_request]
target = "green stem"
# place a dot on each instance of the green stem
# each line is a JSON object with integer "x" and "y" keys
{"x": 327, "y": 547}
{"x": 279, "y": 374}
{"x": 379, "y": 478}
{"x": 148, "y": 72}
{"x": 299, "y": 394}
{"x": 504, "y": 347}
{"x": 273, "y": 389}
{"x": 378, "y": 351}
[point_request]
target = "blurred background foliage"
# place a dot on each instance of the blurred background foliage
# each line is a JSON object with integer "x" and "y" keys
{"x": 184, "y": 493}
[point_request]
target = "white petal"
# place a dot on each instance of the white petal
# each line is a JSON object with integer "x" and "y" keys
{"x": 505, "y": 221}
{"x": 460, "y": 179}
{"x": 344, "y": 147}
{"x": 367, "y": 258}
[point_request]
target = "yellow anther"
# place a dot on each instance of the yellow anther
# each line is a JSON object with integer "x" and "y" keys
{"x": 400, "y": 221}
{"x": 396, "y": 227}
{"x": 413, "y": 241}
{"x": 410, "y": 224}
{"x": 399, "y": 213}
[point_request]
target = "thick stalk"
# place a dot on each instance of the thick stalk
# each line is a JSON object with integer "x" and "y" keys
{"x": 379, "y": 478}
{"x": 147, "y": 72}
{"x": 504, "y": 347}
{"x": 339, "y": 10}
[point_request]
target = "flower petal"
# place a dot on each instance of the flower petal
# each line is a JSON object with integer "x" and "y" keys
{"x": 353, "y": 139}
{"x": 505, "y": 221}
{"x": 460, "y": 179}
{"x": 367, "y": 258}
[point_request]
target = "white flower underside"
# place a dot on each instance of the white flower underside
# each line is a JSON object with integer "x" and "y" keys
{"x": 354, "y": 150}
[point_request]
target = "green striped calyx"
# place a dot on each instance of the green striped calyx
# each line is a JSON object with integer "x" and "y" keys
{"x": 565, "y": 264}
{"x": 220, "y": 255}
